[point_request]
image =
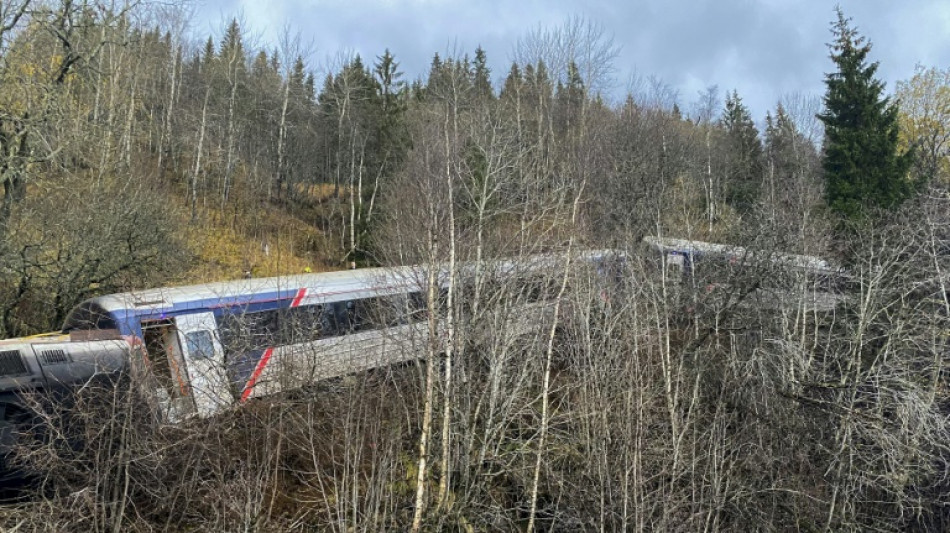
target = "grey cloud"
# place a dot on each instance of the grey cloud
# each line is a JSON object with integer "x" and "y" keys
{"x": 763, "y": 49}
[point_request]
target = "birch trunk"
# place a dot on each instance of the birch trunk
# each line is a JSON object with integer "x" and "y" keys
{"x": 229, "y": 162}
{"x": 445, "y": 479}
{"x": 194, "y": 175}
{"x": 546, "y": 380}
{"x": 431, "y": 358}
{"x": 282, "y": 137}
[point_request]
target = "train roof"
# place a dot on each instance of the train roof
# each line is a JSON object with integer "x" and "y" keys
{"x": 380, "y": 280}
{"x": 699, "y": 248}
{"x": 280, "y": 286}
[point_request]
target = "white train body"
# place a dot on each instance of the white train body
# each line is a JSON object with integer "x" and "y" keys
{"x": 204, "y": 348}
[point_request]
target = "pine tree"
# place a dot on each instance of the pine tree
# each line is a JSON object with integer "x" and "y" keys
{"x": 436, "y": 75}
{"x": 388, "y": 76}
{"x": 862, "y": 166}
{"x": 482, "y": 77}
{"x": 791, "y": 166}
{"x": 232, "y": 45}
{"x": 513, "y": 83}
{"x": 744, "y": 155}
{"x": 569, "y": 98}
{"x": 208, "y": 56}
{"x": 393, "y": 137}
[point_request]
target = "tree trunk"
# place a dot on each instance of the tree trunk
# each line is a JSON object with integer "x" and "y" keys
{"x": 199, "y": 150}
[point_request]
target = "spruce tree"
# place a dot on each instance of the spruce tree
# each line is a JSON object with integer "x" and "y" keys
{"x": 862, "y": 166}
{"x": 513, "y": 83}
{"x": 743, "y": 155}
{"x": 481, "y": 81}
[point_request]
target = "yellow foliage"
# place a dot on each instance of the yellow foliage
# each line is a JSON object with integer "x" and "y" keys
{"x": 226, "y": 250}
{"x": 685, "y": 213}
{"x": 321, "y": 192}
{"x": 265, "y": 241}
{"x": 925, "y": 118}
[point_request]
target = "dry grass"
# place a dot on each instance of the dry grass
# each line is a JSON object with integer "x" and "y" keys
{"x": 269, "y": 243}
{"x": 320, "y": 192}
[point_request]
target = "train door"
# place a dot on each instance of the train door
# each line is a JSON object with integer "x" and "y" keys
{"x": 677, "y": 265}
{"x": 167, "y": 368}
{"x": 204, "y": 359}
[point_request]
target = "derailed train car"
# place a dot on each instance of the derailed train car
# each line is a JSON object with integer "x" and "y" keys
{"x": 780, "y": 280}
{"x": 682, "y": 256}
{"x": 53, "y": 363}
{"x": 200, "y": 349}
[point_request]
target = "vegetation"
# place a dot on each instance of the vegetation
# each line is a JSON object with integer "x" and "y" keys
{"x": 925, "y": 122}
{"x": 863, "y": 168}
{"x": 729, "y": 400}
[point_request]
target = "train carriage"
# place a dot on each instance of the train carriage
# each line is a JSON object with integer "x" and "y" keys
{"x": 209, "y": 346}
{"x": 200, "y": 349}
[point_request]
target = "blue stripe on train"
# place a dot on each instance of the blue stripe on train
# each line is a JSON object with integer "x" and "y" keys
{"x": 242, "y": 365}
{"x": 129, "y": 320}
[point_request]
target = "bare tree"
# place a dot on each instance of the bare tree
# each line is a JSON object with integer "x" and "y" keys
{"x": 577, "y": 41}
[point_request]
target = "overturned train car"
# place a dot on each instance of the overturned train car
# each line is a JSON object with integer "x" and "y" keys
{"x": 53, "y": 363}
{"x": 200, "y": 349}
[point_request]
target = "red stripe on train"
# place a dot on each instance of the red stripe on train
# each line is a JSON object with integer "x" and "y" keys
{"x": 249, "y": 388}
{"x": 299, "y": 298}
{"x": 257, "y": 373}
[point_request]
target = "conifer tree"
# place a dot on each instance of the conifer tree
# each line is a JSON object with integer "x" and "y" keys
{"x": 791, "y": 168}
{"x": 744, "y": 155}
{"x": 862, "y": 166}
{"x": 436, "y": 73}
{"x": 393, "y": 144}
{"x": 513, "y": 83}
{"x": 482, "y": 77}
{"x": 208, "y": 56}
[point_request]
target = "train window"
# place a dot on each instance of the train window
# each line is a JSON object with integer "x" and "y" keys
{"x": 245, "y": 332}
{"x": 89, "y": 315}
{"x": 533, "y": 288}
{"x": 364, "y": 314}
{"x": 327, "y": 320}
{"x": 417, "y": 306}
{"x": 395, "y": 310}
{"x": 200, "y": 344}
{"x": 332, "y": 319}
{"x": 353, "y": 315}
{"x": 336, "y": 318}
{"x": 300, "y": 324}
{"x": 229, "y": 331}
{"x": 249, "y": 331}
{"x": 390, "y": 311}
{"x": 265, "y": 328}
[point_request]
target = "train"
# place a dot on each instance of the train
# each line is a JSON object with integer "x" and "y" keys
{"x": 777, "y": 276}
{"x": 198, "y": 350}
{"x": 201, "y": 349}
{"x": 682, "y": 255}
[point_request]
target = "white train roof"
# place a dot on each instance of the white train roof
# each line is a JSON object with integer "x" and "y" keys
{"x": 324, "y": 285}
{"x": 804, "y": 262}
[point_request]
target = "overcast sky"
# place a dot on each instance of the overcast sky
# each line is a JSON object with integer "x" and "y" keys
{"x": 764, "y": 49}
